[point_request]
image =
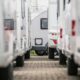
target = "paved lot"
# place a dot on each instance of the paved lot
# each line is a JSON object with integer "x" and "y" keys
{"x": 41, "y": 68}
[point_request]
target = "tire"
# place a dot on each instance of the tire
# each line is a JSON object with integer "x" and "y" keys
{"x": 51, "y": 53}
{"x": 46, "y": 53}
{"x": 72, "y": 67}
{"x": 20, "y": 61}
{"x": 27, "y": 55}
{"x": 6, "y": 73}
{"x": 62, "y": 58}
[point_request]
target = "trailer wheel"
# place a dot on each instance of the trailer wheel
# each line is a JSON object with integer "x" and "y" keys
{"x": 62, "y": 58}
{"x": 20, "y": 61}
{"x": 27, "y": 55}
{"x": 51, "y": 53}
{"x": 6, "y": 73}
{"x": 72, "y": 67}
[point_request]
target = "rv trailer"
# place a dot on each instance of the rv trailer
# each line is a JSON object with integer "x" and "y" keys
{"x": 6, "y": 39}
{"x": 70, "y": 14}
{"x": 12, "y": 41}
{"x": 39, "y": 33}
{"x": 52, "y": 29}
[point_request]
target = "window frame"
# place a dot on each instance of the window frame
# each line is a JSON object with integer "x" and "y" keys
{"x": 64, "y": 4}
{"x": 41, "y": 27}
{"x": 9, "y": 24}
{"x": 69, "y": 1}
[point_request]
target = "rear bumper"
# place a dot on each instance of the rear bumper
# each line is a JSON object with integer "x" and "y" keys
{"x": 42, "y": 48}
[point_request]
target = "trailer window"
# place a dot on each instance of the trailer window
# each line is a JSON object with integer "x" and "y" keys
{"x": 58, "y": 8}
{"x": 69, "y": 1}
{"x": 44, "y": 23}
{"x": 23, "y": 8}
{"x": 8, "y": 24}
{"x": 64, "y": 4}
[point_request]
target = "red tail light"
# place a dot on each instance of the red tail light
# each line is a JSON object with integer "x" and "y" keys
{"x": 61, "y": 31}
{"x": 73, "y": 28}
{"x": 52, "y": 33}
{"x": 55, "y": 41}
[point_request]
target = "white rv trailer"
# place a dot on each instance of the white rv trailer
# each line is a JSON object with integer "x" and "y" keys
{"x": 71, "y": 18}
{"x": 6, "y": 41}
{"x": 22, "y": 32}
{"x": 52, "y": 28}
{"x": 18, "y": 51}
{"x": 13, "y": 23}
{"x": 39, "y": 33}
{"x": 11, "y": 44}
